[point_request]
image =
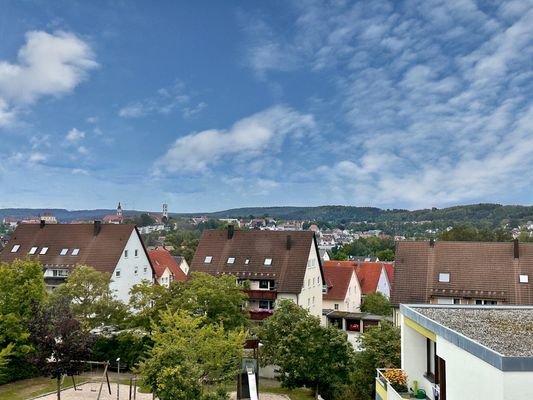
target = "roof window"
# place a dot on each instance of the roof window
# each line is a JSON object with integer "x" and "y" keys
{"x": 444, "y": 277}
{"x": 231, "y": 260}
{"x": 268, "y": 261}
{"x": 75, "y": 252}
{"x": 15, "y": 248}
{"x": 208, "y": 259}
{"x": 524, "y": 279}
{"x": 247, "y": 261}
{"x": 63, "y": 252}
{"x": 43, "y": 251}
{"x": 33, "y": 250}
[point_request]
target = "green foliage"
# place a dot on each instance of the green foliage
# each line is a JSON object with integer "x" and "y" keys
{"x": 5, "y": 353}
{"x": 21, "y": 284}
{"x": 376, "y": 303}
{"x": 129, "y": 346}
{"x": 380, "y": 348}
{"x": 144, "y": 299}
{"x": 307, "y": 353}
{"x": 218, "y": 299}
{"x": 141, "y": 220}
{"x": 90, "y": 298}
{"x": 371, "y": 246}
{"x": 468, "y": 233}
{"x": 185, "y": 243}
{"x": 190, "y": 355}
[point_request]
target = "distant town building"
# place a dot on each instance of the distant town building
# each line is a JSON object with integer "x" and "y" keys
{"x": 48, "y": 218}
{"x": 114, "y": 219}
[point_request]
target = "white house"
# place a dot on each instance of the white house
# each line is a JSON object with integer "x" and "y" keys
{"x": 166, "y": 267}
{"x": 112, "y": 248}
{"x": 278, "y": 265}
{"x": 461, "y": 352}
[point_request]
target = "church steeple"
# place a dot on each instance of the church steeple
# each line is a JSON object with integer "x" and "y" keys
{"x": 119, "y": 210}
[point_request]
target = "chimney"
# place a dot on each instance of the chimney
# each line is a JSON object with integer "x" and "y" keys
{"x": 431, "y": 242}
{"x": 289, "y": 242}
{"x": 231, "y": 229}
{"x": 97, "y": 227}
{"x": 516, "y": 248}
{"x": 42, "y": 224}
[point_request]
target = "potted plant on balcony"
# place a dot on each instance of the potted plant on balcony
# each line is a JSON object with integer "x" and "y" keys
{"x": 398, "y": 380}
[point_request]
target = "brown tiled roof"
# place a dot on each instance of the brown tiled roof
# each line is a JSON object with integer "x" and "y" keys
{"x": 338, "y": 280}
{"x": 101, "y": 251}
{"x": 477, "y": 270}
{"x": 162, "y": 259}
{"x": 368, "y": 274}
{"x": 288, "y": 266}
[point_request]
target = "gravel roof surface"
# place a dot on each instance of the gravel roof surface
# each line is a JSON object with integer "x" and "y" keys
{"x": 506, "y": 331}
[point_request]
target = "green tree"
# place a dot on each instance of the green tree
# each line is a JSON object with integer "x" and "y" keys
{"x": 376, "y": 303}
{"x": 90, "y": 298}
{"x": 307, "y": 353}
{"x": 380, "y": 348}
{"x": 184, "y": 243}
{"x": 386, "y": 255}
{"x": 145, "y": 301}
{"x": 219, "y": 299}
{"x": 21, "y": 284}
{"x": 189, "y": 356}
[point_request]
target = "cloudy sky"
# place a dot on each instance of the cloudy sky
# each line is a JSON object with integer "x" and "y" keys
{"x": 209, "y": 105}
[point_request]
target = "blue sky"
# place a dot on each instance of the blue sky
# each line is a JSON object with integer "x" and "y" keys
{"x": 209, "y": 105}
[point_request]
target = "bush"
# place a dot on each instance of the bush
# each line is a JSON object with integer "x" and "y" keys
{"x": 128, "y": 346}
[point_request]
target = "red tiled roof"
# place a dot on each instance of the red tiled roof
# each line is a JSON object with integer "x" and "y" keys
{"x": 162, "y": 259}
{"x": 287, "y": 268}
{"x": 338, "y": 280}
{"x": 368, "y": 274}
{"x": 335, "y": 263}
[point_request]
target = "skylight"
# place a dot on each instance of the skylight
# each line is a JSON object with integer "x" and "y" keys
{"x": 268, "y": 261}
{"x": 247, "y": 261}
{"x": 524, "y": 278}
{"x": 208, "y": 259}
{"x": 43, "y": 251}
{"x": 231, "y": 260}
{"x": 444, "y": 277}
{"x": 15, "y": 248}
{"x": 33, "y": 250}
{"x": 75, "y": 252}
{"x": 63, "y": 252}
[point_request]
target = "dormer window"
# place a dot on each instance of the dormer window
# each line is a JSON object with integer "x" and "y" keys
{"x": 33, "y": 250}
{"x": 43, "y": 251}
{"x": 75, "y": 252}
{"x": 15, "y": 248}
{"x": 524, "y": 279}
{"x": 208, "y": 259}
{"x": 268, "y": 261}
{"x": 63, "y": 252}
{"x": 444, "y": 277}
{"x": 231, "y": 260}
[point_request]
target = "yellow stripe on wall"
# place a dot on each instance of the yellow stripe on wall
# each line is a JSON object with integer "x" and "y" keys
{"x": 381, "y": 391}
{"x": 420, "y": 329}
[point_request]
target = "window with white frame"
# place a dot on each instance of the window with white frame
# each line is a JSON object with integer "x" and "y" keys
{"x": 126, "y": 253}
{"x": 43, "y": 251}
{"x": 135, "y": 271}
{"x": 336, "y": 307}
{"x": 75, "y": 252}
{"x": 63, "y": 252}
{"x": 231, "y": 260}
{"x": 208, "y": 259}
{"x": 268, "y": 261}
{"x": 444, "y": 277}
{"x": 117, "y": 273}
{"x": 524, "y": 279}
{"x": 247, "y": 261}
{"x": 33, "y": 250}
{"x": 15, "y": 248}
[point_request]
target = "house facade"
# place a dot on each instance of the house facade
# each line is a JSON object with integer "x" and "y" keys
{"x": 343, "y": 287}
{"x": 275, "y": 264}
{"x": 465, "y": 352}
{"x": 115, "y": 249}
{"x": 166, "y": 268}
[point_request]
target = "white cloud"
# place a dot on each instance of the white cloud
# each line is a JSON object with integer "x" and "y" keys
{"x": 47, "y": 65}
{"x": 34, "y": 157}
{"x": 74, "y": 135}
{"x": 83, "y": 150}
{"x": 248, "y": 138}
{"x": 80, "y": 171}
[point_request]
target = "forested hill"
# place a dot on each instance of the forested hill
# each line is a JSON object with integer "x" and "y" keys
{"x": 489, "y": 215}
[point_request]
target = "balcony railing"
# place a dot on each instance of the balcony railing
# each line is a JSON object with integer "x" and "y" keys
{"x": 260, "y": 314}
{"x": 384, "y": 388}
{"x": 262, "y": 294}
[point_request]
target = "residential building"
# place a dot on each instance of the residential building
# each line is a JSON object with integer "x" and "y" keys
{"x": 462, "y": 273}
{"x": 459, "y": 352}
{"x": 353, "y": 323}
{"x": 276, "y": 264}
{"x": 166, "y": 268}
{"x": 343, "y": 287}
{"x": 324, "y": 254}
{"x": 375, "y": 277}
{"x": 118, "y": 218}
{"x": 48, "y": 218}
{"x": 115, "y": 249}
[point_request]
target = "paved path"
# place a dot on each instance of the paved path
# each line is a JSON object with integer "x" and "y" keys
{"x": 264, "y": 396}
{"x": 90, "y": 392}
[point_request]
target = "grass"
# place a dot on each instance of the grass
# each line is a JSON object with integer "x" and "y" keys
{"x": 273, "y": 386}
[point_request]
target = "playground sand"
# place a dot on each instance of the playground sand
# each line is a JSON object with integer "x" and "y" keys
{"x": 89, "y": 391}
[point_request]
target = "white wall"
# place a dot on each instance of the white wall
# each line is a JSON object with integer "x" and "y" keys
{"x": 352, "y": 299}
{"x": 164, "y": 279}
{"x": 184, "y": 266}
{"x": 127, "y": 266}
{"x": 311, "y": 295}
{"x": 383, "y": 283}
{"x": 414, "y": 358}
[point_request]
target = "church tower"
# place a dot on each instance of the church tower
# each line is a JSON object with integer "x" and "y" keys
{"x": 119, "y": 210}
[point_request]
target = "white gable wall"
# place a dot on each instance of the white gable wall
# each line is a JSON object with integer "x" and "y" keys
{"x": 383, "y": 283}
{"x": 131, "y": 269}
{"x": 184, "y": 266}
{"x": 310, "y": 297}
{"x": 352, "y": 299}
{"x": 164, "y": 279}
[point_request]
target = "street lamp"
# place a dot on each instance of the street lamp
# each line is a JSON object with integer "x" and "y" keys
{"x": 118, "y": 378}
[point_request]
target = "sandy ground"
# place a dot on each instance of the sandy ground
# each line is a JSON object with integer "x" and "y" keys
{"x": 89, "y": 391}
{"x": 265, "y": 396}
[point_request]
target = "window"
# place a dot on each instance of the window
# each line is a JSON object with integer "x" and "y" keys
{"x": 264, "y": 284}
{"x": 313, "y": 300}
{"x": 135, "y": 271}
{"x": 208, "y": 259}
{"x": 431, "y": 365}
{"x": 126, "y": 253}
{"x": 75, "y": 252}
{"x": 43, "y": 251}
{"x": 63, "y": 252}
{"x": 313, "y": 281}
{"x": 117, "y": 273}
{"x": 268, "y": 261}
{"x": 145, "y": 269}
{"x": 485, "y": 302}
{"x": 444, "y": 277}
{"x": 33, "y": 250}
{"x": 15, "y": 248}
{"x": 266, "y": 304}
{"x": 308, "y": 302}
{"x": 247, "y": 261}
{"x": 524, "y": 279}
{"x": 136, "y": 253}
{"x": 309, "y": 282}
{"x": 336, "y": 307}
{"x": 231, "y": 260}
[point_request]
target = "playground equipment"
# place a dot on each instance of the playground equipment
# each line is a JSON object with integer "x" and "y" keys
{"x": 97, "y": 375}
{"x": 248, "y": 378}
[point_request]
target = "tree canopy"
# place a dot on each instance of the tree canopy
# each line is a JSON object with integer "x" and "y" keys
{"x": 376, "y": 303}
